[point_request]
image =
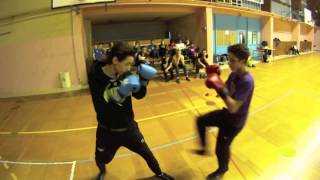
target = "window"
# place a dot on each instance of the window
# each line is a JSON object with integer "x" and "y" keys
{"x": 234, "y": 37}
{"x": 220, "y": 37}
{"x": 254, "y": 37}
{"x": 250, "y": 39}
{"x": 226, "y": 37}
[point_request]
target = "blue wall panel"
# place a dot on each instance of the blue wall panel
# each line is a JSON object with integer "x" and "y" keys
{"x": 235, "y": 23}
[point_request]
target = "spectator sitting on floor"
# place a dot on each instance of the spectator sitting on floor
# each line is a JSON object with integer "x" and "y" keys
{"x": 250, "y": 62}
{"x": 294, "y": 49}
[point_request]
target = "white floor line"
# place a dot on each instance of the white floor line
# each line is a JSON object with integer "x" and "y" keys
{"x": 152, "y": 149}
{"x": 73, "y": 170}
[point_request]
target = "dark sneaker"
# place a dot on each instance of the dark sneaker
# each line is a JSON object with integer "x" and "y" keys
{"x": 216, "y": 175}
{"x": 200, "y": 152}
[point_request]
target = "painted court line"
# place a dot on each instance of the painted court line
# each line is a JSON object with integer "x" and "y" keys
{"x": 72, "y": 170}
{"x": 94, "y": 127}
{"x": 5, "y": 133}
{"x": 272, "y": 102}
{"x": 35, "y": 162}
{"x": 152, "y": 149}
{"x": 6, "y": 166}
{"x": 13, "y": 176}
{"x": 153, "y": 117}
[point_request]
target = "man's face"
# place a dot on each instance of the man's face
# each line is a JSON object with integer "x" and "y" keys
{"x": 234, "y": 62}
{"x": 123, "y": 66}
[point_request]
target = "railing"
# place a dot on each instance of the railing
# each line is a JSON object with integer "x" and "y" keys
{"x": 298, "y": 15}
{"x": 285, "y": 13}
{"x": 253, "y": 4}
{"x": 243, "y": 3}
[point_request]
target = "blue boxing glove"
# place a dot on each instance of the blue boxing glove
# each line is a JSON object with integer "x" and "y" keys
{"x": 128, "y": 85}
{"x": 146, "y": 72}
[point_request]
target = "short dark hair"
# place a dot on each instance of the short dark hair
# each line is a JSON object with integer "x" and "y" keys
{"x": 239, "y": 51}
{"x": 121, "y": 50}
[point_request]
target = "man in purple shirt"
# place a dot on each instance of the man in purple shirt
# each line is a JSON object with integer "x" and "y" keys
{"x": 236, "y": 94}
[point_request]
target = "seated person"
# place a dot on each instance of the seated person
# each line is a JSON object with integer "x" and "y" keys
{"x": 98, "y": 53}
{"x": 222, "y": 59}
{"x": 266, "y": 52}
{"x": 200, "y": 63}
{"x": 166, "y": 66}
{"x": 178, "y": 62}
{"x": 109, "y": 46}
{"x": 192, "y": 53}
{"x": 171, "y": 47}
{"x": 162, "y": 50}
{"x": 188, "y": 43}
{"x": 250, "y": 62}
{"x": 136, "y": 47}
{"x": 180, "y": 45}
{"x": 153, "y": 52}
{"x": 294, "y": 49}
{"x": 143, "y": 55}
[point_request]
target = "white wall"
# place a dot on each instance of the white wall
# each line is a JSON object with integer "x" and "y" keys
{"x": 36, "y": 49}
{"x": 283, "y": 36}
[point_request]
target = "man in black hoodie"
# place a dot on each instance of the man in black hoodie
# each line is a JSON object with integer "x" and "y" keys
{"x": 112, "y": 85}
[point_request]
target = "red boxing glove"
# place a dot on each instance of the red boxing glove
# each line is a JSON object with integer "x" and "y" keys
{"x": 213, "y": 68}
{"x": 214, "y": 81}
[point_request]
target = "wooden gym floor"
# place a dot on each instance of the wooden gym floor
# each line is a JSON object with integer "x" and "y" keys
{"x": 53, "y": 136}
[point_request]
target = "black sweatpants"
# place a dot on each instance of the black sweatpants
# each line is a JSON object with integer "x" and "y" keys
{"x": 176, "y": 68}
{"x": 108, "y": 142}
{"x": 163, "y": 68}
{"x": 198, "y": 67}
{"x": 227, "y": 133}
